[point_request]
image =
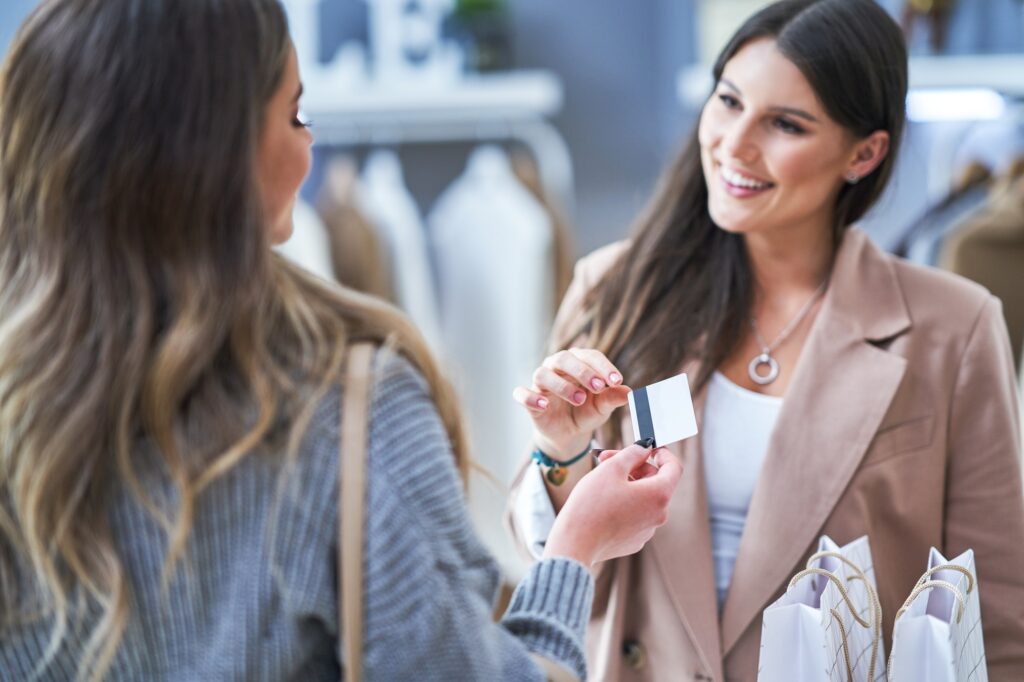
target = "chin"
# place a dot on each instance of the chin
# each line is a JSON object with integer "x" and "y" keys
{"x": 730, "y": 222}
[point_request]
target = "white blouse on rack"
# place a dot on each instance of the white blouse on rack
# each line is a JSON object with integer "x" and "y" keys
{"x": 493, "y": 249}
{"x": 393, "y": 211}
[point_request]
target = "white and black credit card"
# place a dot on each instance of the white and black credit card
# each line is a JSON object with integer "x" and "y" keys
{"x": 663, "y": 411}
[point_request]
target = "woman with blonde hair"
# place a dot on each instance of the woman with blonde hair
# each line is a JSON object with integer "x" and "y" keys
{"x": 839, "y": 390}
{"x": 171, "y": 391}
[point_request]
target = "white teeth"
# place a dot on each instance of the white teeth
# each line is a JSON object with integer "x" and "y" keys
{"x": 734, "y": 178}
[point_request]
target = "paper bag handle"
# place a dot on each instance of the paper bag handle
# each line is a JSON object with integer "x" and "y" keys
{"x": 949, "y": 567}
{"x": 876, "y": 605}
{"x": 925, "y": 584}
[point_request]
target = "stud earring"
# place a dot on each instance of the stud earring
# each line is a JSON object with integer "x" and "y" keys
{"x": 852, "y": 178}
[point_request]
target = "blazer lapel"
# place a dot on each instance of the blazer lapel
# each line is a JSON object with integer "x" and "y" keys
{"x": 839, "y": 395}
{"x": 682, "y": 551}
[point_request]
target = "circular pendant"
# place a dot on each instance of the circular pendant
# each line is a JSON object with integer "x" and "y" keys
{"x": 757, "y": 363}
{"x": 556, "y": 475}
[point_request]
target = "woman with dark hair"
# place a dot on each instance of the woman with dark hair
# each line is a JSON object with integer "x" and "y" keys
{"x": 171, "y": 391}
{"x": 839, "y": 390}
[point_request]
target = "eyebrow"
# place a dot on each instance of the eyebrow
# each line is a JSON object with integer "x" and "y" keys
{"x": 799, "y": 113}
{"x": 299, "y": 93}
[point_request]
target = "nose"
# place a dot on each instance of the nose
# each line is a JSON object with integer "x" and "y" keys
{"x": 739, "y": 140}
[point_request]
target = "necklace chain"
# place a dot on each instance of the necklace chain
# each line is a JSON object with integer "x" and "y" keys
{"x": 764, "y": 358}
{"x": 766, "y": 347}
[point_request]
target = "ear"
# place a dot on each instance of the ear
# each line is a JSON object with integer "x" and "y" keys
{"x": 867, "y": 154}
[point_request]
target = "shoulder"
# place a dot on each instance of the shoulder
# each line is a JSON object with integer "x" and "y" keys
{"x": 412, "y": 483}
{"x": 404, "y": 430}
{"x": 937, "y": 298}
{"x": 410, "y": 450}
{"x": 396, "y": 380}
{"x": 886, "y": 294}
{"x": 588, "y": 272}
{"x": 593, "y": 266}
{"x": 953, "y": 320}
{"x": 405, "y": 426}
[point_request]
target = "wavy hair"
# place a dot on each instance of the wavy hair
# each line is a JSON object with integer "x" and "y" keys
{"x": 139, "y": 298}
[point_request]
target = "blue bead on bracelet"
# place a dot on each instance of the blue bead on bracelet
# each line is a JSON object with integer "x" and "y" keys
{"x": 557, "y": 471}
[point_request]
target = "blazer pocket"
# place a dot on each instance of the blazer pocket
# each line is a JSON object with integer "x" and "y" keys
{"x": 899, "y": 439}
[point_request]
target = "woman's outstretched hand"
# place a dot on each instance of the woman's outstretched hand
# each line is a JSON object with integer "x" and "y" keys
{"x": 615, "y": 509}
{"x": 574, "y": 392}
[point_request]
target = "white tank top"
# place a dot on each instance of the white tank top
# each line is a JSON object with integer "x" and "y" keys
{"x": 736, "y": 427}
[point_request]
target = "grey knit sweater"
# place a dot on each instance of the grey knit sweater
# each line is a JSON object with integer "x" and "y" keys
{"x": 257, "y": 600}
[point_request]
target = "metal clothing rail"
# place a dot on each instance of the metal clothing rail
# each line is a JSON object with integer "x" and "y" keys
{"x": 509, "y": 106}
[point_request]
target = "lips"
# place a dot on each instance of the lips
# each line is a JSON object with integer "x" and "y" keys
{"x": 737, "y": 179}
{"x": 740, "y": 184}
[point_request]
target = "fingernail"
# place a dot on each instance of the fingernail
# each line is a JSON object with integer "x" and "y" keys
{"x": 614, "y": 378}
{"x": 578, "y": 397}
{"x": 542, "y": 403}
{"x": 597, "y": 384}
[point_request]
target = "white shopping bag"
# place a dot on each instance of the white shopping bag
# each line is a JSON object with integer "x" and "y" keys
{"x": 937, "y": 636}
{"x": 828, "y": 624}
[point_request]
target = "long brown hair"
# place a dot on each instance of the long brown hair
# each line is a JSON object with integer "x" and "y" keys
{"x": 683, "y": 289}
{"x": 139, "y": 297}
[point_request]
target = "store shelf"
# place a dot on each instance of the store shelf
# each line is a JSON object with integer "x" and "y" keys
{"x": 516, "y": 95}
{"x": 1002, "y": 73}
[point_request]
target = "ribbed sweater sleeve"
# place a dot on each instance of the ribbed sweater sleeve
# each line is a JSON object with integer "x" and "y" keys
{"x": 430, "y": 585}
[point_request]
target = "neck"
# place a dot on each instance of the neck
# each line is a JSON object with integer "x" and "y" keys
{"x": 790, "y": 265}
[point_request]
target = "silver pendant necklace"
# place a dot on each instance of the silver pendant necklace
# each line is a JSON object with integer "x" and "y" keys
{"x": 764, "y": 358}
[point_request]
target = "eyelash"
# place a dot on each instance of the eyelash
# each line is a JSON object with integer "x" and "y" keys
{"x": 788, "y": 127}
{"x": 299, "y": 123}
{"x": 782, "y": 124}
{"x": 729, "y": 101}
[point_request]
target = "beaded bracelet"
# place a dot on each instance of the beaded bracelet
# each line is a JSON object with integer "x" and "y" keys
{"x": 558, "y": 471}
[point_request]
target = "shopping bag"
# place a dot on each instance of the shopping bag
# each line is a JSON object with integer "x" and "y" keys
{"x": 828, "y": 624}
{"x": 937, "y": 636}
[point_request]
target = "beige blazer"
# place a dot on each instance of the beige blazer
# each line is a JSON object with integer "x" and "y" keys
{"x": 901, "y": 423}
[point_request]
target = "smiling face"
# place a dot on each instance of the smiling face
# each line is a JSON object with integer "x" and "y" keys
{"x": 773, "y": 159}
{"x": 283, "y": 157}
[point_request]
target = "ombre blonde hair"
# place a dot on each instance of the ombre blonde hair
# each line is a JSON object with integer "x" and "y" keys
{"x": 139, "y": 297}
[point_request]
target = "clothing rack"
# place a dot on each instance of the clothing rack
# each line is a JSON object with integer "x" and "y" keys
{"x": 512, "y": 106}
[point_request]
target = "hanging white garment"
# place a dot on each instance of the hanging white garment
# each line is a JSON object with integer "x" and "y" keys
{"x": 309, "y": 245}
{"x": 393, "y": 211}
{"x": 493, "y": 250}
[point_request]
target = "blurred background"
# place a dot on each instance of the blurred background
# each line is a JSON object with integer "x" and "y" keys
{"x": 468, "y": 151}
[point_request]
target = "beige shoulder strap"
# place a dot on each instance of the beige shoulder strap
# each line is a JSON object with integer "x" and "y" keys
{"x": 554, "y": 672}
{"x": 355, "y": 413}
